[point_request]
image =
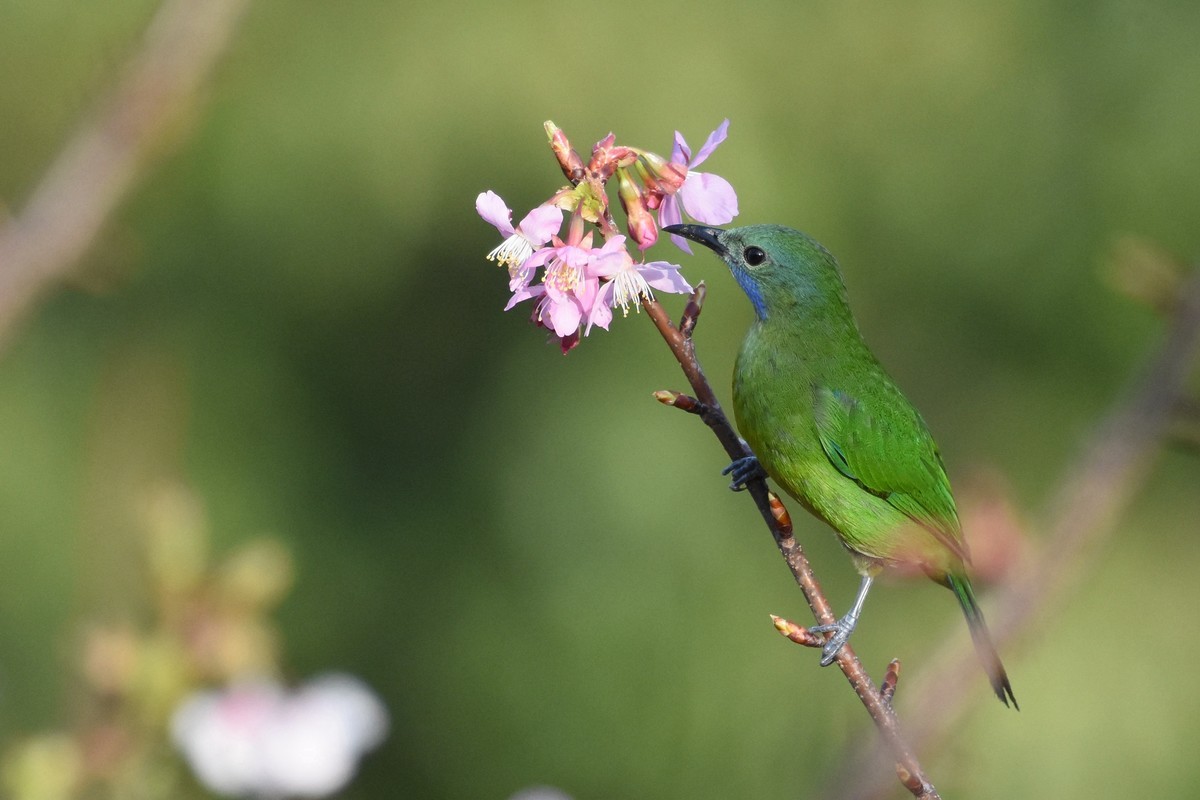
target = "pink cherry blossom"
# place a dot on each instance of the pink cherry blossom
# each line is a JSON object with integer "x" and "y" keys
{"x": 579, "y": 285}
{"x": 552, "y": 315}
{"x": 534, "y": 231}
{"x": 706, "y": 198}
{"x": 567, "y": 290}
{"x": 627, "y": 281}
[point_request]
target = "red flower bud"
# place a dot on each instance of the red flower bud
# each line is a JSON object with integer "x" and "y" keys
{"x": 642, "y": 228}
{"x": 608, "y": 157}
{"x": 669, "y": 174}
{"x": 568, "y": 160}
{"x": 653, "y": 190}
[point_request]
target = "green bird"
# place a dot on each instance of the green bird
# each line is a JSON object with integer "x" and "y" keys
{"x": 829, "y": 426}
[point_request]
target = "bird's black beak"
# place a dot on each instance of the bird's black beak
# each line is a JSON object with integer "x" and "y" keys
{"x": 705, "y": 235}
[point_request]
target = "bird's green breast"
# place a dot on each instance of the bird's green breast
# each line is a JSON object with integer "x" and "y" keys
{"x": 779, "y": 373}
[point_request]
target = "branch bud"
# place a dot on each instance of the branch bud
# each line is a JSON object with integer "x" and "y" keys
{"x": 910, "y": 781}
{"x": 796, "y": 633}
{"x": 683, "y": 402}
{"x": 782, "y": 518}
{"x": 667, "y": 397}
{"x": 887, "y": 689}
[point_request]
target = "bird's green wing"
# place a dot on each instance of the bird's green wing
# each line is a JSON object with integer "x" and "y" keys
{"x": 879, "y": 441}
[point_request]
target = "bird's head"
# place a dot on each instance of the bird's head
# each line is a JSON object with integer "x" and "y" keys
{"x": 777, "y": 267}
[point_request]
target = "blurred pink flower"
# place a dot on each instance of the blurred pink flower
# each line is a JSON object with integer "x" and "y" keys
{"x": 540, "y": 793}
{"x": 256, "y": 740}
{"x": 706, "y": 198}
{"x": 535, "y": 230}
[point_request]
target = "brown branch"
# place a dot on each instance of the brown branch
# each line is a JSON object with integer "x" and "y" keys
{"x": 41, "y": 245}
{"x": 1085, "y": 510}
{"x": 705, "y": 404}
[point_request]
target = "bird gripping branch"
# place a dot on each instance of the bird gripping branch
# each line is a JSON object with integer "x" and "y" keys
{"x": 828, "y": 425}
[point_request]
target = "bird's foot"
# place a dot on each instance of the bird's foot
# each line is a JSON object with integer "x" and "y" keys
{"x": 841, "y": 631}
{"x": 744, "y": 470}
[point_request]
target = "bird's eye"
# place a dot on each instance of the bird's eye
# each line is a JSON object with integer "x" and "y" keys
{"x": 754, "y": 256}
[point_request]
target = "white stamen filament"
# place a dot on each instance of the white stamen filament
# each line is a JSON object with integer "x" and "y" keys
{"x": 512, "y": 252}
{"x": 518, "y": 273}
{"x": 628, "y": 288}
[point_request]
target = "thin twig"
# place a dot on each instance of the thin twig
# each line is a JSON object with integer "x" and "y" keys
{"x": 42, "y": 244}
{"x": 679, "y": 339}
{"x": 1086, "y": 508}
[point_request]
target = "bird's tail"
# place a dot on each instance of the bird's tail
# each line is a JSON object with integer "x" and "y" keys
{"x": 961, "y": 587}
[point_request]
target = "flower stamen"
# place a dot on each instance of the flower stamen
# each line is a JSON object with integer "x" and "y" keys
{"x": 512, "y": 252}
{"x": 628, "y": 289}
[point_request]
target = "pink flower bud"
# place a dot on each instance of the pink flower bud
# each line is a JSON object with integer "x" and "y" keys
{"x": 670, "y": 175}
{"x": 654, "y": 193}
{"x": 576, "y": 230}
{"x": 568, "y": 160}
{"x": 642, "y": 228}
{"x": 608, "y": 157}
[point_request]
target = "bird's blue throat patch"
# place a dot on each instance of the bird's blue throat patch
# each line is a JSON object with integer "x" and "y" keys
{"x": 752, "y": 290}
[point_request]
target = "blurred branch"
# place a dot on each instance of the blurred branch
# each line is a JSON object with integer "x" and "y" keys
{"x": 1186, "y": 434}
{"x": 706, "y": 405}
{"x": 42, "y": 244}
{"x": 1085, "y": 510}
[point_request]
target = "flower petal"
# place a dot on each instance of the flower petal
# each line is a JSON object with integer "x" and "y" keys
{"x": 564, "y": 315}
{"x": 541, "y": 223}
{"x": 492, "y": 209}
{"x": 665, "y": 277}
{"x": 669, "y": 213}
{"x": 601, "y": 313}
{"x": 586, "y": 293}
{"x": 709, "y": 198}
{"x": 714, "y": 139}
{"x": 609, "y": 259}
{"x": 520, "y": 277}
{"x": 681, "y": 153}
{"x": 540, "y": 257}
{"x": 613, "y": 245}
{"x": 525, "y": 293}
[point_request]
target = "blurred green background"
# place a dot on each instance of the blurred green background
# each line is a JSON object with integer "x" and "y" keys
{"x": 536, "y": 565}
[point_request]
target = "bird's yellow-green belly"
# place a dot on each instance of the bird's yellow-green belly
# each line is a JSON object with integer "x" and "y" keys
{"x": 782, "y": 433}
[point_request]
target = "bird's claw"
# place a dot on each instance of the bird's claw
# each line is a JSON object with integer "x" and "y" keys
{"x": 841, "y": 631}
{"x": 743, "y": 470}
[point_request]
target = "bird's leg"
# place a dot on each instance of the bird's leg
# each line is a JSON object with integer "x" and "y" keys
{"x": 843, "y": 627}
{"x": 744, "y": 470}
